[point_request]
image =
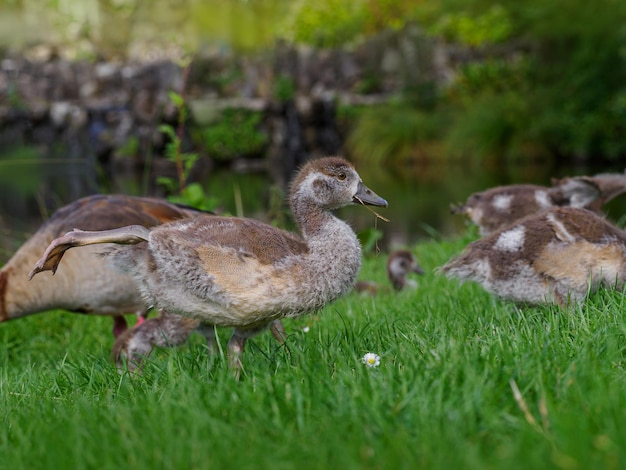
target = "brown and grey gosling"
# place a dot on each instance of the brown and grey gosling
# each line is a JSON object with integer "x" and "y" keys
{"x": 239, "y": 272}
{"x": 86, "y": 284}
{"x": 498, "y": 207}
{"x": 400, "y": 264}
{"x": 557, "y": 256}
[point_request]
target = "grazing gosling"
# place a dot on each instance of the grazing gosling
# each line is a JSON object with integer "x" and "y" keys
{"x": 239, "y": 272}
{"x": 557, "y": 256}
{"x": 498, "y": 207}
{"x": 86, "y": 284}
{"x": 400, "y": 264}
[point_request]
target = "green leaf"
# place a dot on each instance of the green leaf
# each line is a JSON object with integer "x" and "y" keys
{"x": 177, "y": 99}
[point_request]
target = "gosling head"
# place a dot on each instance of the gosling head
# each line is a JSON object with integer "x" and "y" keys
{"x": 331, "y": 183}
{"x": 399, "y": 265}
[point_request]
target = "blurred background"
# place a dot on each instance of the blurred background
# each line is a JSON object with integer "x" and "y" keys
{"x": 215, "y": 103}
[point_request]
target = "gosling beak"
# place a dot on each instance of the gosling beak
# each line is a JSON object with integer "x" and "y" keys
{"x": 417, "y": 269}
{"x": 365, "y": 195}
{"x": 460, "y": 209}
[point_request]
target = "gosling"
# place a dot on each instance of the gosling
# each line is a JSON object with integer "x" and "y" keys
{"x": 557, "y": 256}
{"x": 239, "y": 272}
{"x": 86, "y": 285}
{"x": 498, "y": 207}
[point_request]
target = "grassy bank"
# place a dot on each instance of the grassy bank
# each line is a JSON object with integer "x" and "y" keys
{"x": 465, "y": 381}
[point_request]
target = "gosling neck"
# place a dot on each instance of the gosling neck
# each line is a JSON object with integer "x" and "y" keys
{"x": 334, "y": 251}
{"x": 310, "y": 217}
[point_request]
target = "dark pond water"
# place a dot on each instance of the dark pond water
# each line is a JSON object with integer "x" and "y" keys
{"x": 32, "y": 186}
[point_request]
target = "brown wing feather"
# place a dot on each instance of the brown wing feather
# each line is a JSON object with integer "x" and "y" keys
{"x": 250, "y": 237}
{"x": 104, "y": 212}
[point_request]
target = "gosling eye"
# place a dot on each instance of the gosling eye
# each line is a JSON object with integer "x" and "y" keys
{"x": 341, "y": 175}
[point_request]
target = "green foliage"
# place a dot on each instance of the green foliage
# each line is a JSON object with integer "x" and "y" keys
{"x": 184, "y": 161}
{"x": 393, "y": 132}
{"x": 326, "y": 24}
{"x": 179, "y": 191}
{"x": 236, "y": 134}
{"x": 114, "y": 27}
{"x": 495, "y": 120}
{"x": 553, "y": 92}
{"x": 334, "y": 23}
{"x": 193, "y": 195}
{"x": 347, "y": 114}
{"x": 489, "y": 76}
{"x": 284, "y": 88}
{"x": 245, "y": 25}
{"x": 548, "y": 80}
{"x": 129, "y": 148}
{"x": 465, "y": 381}
{"x": 370, "y": 83}
{"x": 491, "y": 27}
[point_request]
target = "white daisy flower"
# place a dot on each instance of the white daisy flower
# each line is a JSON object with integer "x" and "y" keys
{"x": 371, "y": 360}
{"x": 306, "y": 329}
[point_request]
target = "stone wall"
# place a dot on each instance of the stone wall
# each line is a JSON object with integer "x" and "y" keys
{"x": 95, "y": 108}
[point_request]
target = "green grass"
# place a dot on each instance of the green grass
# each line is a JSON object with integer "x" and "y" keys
{"x": 442, "y": 397}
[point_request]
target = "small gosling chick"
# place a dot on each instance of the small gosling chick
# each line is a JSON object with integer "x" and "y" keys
{"x": 86, "y": 285}
{"x": 556, "y": 256}
{"x": 400, "y": 264}
{"x": 239, "y": 272}
{"x": 498, "y": 207}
